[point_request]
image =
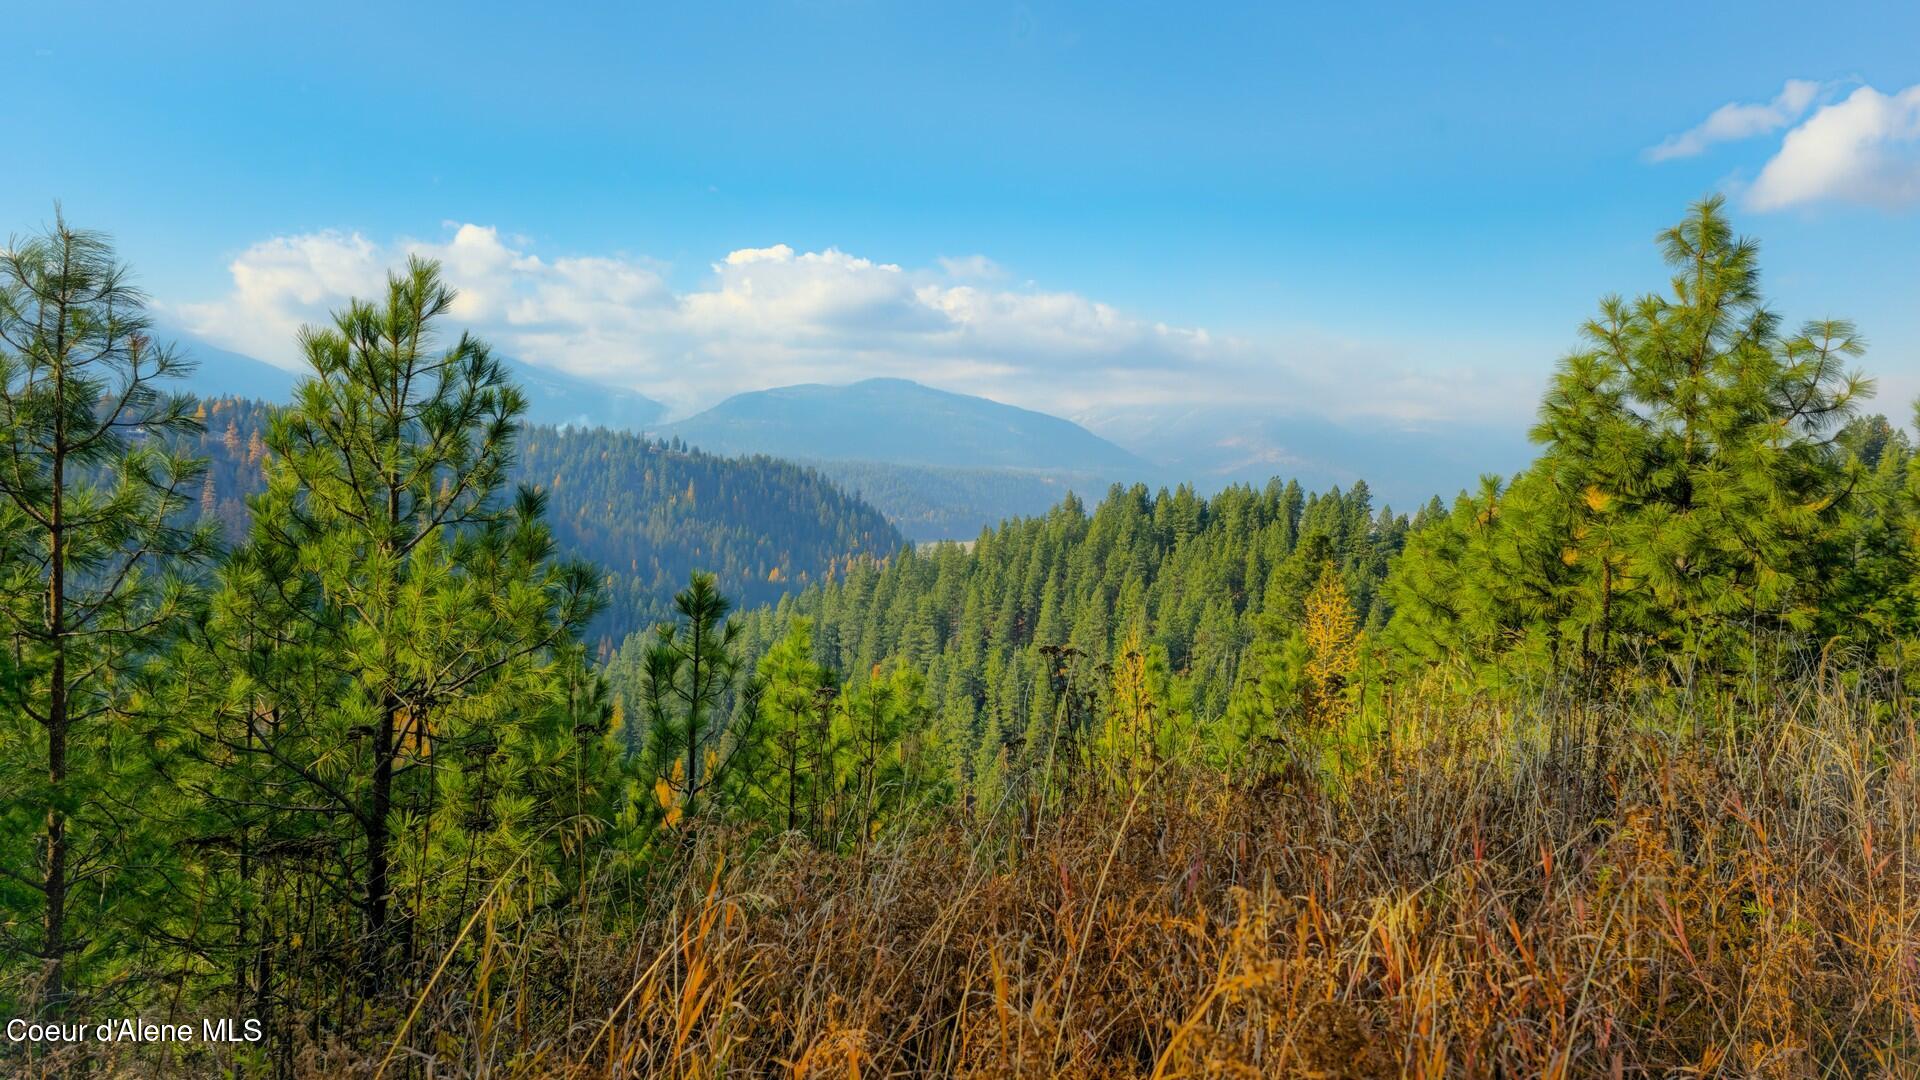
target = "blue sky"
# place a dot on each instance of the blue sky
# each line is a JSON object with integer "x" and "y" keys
{"x": 1396, "y": 213}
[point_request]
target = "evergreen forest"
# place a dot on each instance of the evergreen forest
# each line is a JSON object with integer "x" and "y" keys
{"x": 432, "y": 743}
{"x": 633, "y": 506}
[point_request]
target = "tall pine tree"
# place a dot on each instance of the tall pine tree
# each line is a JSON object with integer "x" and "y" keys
{"x": 387, "y": 687}
{"x": 89, "y": 542}
{"x": 1688, "y": 476}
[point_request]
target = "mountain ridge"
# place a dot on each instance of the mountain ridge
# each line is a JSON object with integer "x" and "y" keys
{"x": 899, "y": 421}
{"x": 942, "y": 464}
{"x": 554, "y": 397}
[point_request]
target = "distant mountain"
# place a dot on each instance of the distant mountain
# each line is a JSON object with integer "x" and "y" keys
{"x": 942, "y": 465}
{"x": 553, "y": 397}
{"x": 900, "y": 422}
{"x": 224, "y": 373}
{"x": 1213, "y": 446}
{"x": 562, "y": 400}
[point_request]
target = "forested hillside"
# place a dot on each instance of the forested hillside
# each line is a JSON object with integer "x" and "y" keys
{"x": 645, "y": 512}
{"x": 1708, "y": 506}
{"x": 1607, "y": 769}
{"x": 1035, "y": 616}
{"x": 926, "y": 502}
{"x": 650, "y": 513}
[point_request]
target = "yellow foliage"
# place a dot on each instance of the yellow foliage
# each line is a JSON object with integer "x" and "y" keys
{"x": 1598, "y": 501}
{"x": 1333, "y": 645}
{"x": 1783, "y": 938}
{"x": 666, "y": 792}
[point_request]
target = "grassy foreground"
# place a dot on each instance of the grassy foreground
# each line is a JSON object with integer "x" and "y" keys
{"x": 1489, "y": 893}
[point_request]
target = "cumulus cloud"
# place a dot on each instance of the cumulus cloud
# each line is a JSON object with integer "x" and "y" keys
{"x": 1735, "y": 121}
{"x": 772, "y": 316}
{"x": 1864, "y": 150}
{"x": 279, "y": 284}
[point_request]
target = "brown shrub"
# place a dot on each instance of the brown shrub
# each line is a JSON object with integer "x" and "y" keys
{"x": 1492, "y": 898}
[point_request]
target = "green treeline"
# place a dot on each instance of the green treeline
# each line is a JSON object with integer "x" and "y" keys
{"x": 264, "y": 779}
{"x": 1030, "y": 631}
{"x": 1708, "y": 516}
{"x": 286, "y": 776}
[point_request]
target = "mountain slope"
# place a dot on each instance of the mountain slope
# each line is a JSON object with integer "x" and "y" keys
{"x": 902, "y": 422}
{"x": 222, "y": 372}
{"x": 563, "y": 400}
{"x": 1172, "y": 574}
{"x": 647, "y": 515}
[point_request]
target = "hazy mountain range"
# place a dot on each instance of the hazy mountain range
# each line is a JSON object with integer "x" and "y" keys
{"x": 1404, "y": 466}
{"x": 899, "y": 421}
{"x": 553, "y": 397}
{"x": 943, "y": 465}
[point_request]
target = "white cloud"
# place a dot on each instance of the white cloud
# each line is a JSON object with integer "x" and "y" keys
{"x": 279, "y": 284}
{"x": 772, "y": 316}
{"x": 1864, "y": 149}
{"x": 776, "y": 253}
{"x": 1735, "y": 121}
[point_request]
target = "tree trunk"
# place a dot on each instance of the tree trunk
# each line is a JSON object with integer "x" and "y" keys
{"x": 695, "y": 693}
{"x": 53, "y": 941}
{"x": 379, "y": 842}
{"x": 793, "y": 778}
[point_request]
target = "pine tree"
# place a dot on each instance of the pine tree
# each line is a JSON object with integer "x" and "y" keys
{"x": 874, "y": 716}
{"x": 690, "y": 669}
{"x": 394, "y": 641}
{"x": 1138, "y": 732}
{"x": 1331, "y": 633}
{"x": 789, "y": 734}
{"x": 989, "y": 786}
{"x": 89, "y": 547}
{"x": 1679, "y": 506}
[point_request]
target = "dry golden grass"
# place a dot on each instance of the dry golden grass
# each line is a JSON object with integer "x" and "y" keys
{"x": 1488, "y": 896}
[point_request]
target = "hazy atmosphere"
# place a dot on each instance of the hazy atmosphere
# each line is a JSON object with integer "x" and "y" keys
{"x": 1383, "y": 217}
